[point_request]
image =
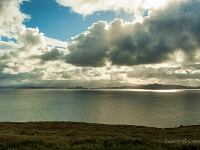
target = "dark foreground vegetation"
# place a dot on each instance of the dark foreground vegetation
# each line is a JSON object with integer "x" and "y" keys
{"x": 74, "y": 136}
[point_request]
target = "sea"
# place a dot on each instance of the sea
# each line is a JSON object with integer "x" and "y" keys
{"x": 153, "y": 108}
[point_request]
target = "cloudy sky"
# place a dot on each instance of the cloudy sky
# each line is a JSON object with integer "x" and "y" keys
{"x": 99, "y": 42}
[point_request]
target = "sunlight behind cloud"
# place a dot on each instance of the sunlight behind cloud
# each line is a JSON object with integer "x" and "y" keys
{"x": 154, "y": 3}
{"x": 86, "y": 7}
{"x": 162, "y": 48}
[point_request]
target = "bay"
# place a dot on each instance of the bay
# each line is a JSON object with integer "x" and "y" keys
{"x": 155, "y": 108}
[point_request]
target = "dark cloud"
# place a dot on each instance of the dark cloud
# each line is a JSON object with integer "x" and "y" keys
{"x": 89, "y": 49}
{"x": 52, "y": 55}
{"x": 49, "y": 55}
{"x": 171, "y": 34}
{"x": 163, "y": 32}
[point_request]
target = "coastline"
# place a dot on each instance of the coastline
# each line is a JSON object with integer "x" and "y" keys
{"x": 78, "y": 135}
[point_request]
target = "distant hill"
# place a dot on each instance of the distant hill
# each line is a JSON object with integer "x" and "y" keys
{"x": 154, "y": 86}
{"x": 161, "y": 86}
{"x": 149, "y": 86}
{"x": 39, "y": 87}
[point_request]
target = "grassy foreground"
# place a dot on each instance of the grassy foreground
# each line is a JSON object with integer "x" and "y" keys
{"x": 73, "y": 136}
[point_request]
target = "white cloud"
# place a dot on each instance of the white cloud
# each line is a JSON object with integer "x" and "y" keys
{"x": 55, "y": 42}
{"x": 10, "y": 16}
{"x": 8, "y": 45}
{"x": 30, "y": 38}
{"x": 108, "y": 53}
{"x": 169, "y": 34}
{"x": 86, "y": 7}
{"x": 32, "y": 52}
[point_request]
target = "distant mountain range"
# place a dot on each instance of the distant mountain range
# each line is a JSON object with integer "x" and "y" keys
{"x": 154, "y": 86}
{"x": 149, "y": 86}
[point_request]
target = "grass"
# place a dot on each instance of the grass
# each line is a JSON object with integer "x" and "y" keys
{"x": 75, "y": 136}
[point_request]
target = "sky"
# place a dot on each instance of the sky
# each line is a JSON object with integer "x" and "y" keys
{"x": 99, "y": 42}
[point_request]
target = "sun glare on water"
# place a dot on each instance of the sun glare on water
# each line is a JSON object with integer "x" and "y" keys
{"x": 158, "y": 90}
{"x": 168, "y": 91}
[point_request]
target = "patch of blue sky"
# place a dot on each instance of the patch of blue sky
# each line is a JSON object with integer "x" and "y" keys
{"x": 60, "y": 22}
{"x": 6, "y": 39}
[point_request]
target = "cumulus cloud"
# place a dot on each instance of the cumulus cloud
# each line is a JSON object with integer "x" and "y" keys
{"x": 30, "y": 38}
{"x": 89, "y": 48}
{"x": 86, "y": 7}
{"x": 163, "y": 47}
{"x": 160, "y": 37}
{"x": 11, "y": 16}
{"x": 32, "y": 52}
{"x": 32, "y": 56}
{"x": 51, "y": 54}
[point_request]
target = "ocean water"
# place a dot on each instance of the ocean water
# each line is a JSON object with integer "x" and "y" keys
{"x": 165, "y": 108}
